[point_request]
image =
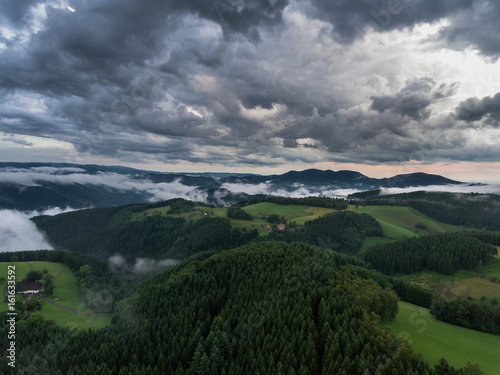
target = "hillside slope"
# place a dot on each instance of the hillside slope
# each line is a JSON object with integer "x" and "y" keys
{"x": 270, "y": 308}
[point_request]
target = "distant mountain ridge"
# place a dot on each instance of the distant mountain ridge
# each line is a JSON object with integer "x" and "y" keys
{"x": 37, "y": 186}
{"x": 346, "y": 179}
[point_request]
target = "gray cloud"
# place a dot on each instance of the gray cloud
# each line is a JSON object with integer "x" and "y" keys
{"x": 141, "y": 266}
{"x": 260, "y": 82}
{"x": 414, "y": 99}
{"x": 474, "y": 109}
{"x": 157, "y": 191}
{"x": 18, "y": 232}
{"x": 462, "y": 188}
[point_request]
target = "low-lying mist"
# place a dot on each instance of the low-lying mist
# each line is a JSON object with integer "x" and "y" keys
{"x": 18, "y": 232}
{"x": 141, "y": 266}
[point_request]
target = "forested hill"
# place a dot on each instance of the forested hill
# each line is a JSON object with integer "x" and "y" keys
{"x": 38, "y": 186}
{"x": 102, "y": 232}
{"x": 480, "y": 211}
{"x": 445, "y": 253}
{"x": 339, "y": 231}
{"x": 269, "y": 308}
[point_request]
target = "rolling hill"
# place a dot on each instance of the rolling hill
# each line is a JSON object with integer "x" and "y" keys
{"x": 38, "y": 186}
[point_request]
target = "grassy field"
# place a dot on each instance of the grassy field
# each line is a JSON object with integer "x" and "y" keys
{"x": 66, "y": 293}
{"x": 372, "y": 241}
{"x": 461, "y": 283}
{"x": 436, "y": 339}
{"x": 492, "y": 269}
{"x": 398, "y": 221}
{"x": 431, "y": 277}
{"x": 300, "y": 214}
{"x": 475, "y": 287}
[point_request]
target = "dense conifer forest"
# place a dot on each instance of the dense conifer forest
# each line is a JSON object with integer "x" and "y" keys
{"x": 106, "y": 231}
{"x": 269, "y": 308}
{"x": 340, "y": 231}
{"x": 335, "y": 203}
{"x": 473, "y": 210}
{"x": 467, "y": 312}
{"x": 445, "y": 253}
{"x": 297, "y": 306}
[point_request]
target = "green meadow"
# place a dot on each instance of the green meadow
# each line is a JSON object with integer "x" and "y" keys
{"x": 400, "y": 221}
{"x": 66, "y": 293}
{"x": 436, "y": 339}
{"x": 300, "y": 214}
{"x": 396, "y": 221}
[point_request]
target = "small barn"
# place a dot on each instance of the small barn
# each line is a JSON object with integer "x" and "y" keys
{"x": 29, "y": 287}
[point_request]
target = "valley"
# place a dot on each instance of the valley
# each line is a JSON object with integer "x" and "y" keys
{"x": 286, "y": 250}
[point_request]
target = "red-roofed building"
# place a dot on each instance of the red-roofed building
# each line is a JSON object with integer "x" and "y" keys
{"x": 281, "y": 226}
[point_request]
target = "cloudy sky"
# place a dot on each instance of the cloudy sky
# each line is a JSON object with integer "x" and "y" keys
{"x": 379, "y": 86}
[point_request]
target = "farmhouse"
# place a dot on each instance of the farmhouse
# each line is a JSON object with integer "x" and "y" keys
{"x": 281, "y": 226}
{"x": 29, "y": 287}
{"x": 268, "y": 227}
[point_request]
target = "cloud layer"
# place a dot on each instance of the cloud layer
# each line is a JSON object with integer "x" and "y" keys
{"x": 258, "y": 82}
{"x": 18, "y": 232}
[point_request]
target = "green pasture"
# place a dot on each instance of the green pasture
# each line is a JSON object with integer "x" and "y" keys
{"x": 491, "y": 269}
{"x": 476, "y": 287}
{"x": 372, "y": 241}
{"x": 69, "y": 319}
{"x": 300, "y": 214}
{"x": 436, "y": 339}
{"x": 400, "y": 221}
{"x": 433, "y": 278}
{"x": 66, "y": 293}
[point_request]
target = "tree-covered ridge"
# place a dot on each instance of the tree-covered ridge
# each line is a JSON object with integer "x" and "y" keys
{"x": 342, "y": 231}
{"x": 444, "y": 253}
{"x": 467, "y": 312}
{"x": 473, "y": 210}
{"x": 106, "y": 231}
{"x": 269, "y": 308}
{"x": 236, "y": 212}
{"x": 335, "y": 203}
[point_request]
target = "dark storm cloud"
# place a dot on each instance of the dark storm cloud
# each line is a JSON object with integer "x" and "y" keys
{"x": 472, "y": 23}
{"x": 351, "y": 18}
{"x": 94, "y": 63}
{"x": 228, "y": 81}
{"x": 476, "y": 27}
{"x": 16, "y": 12}
{"x": 474, "y": 109}
{"x": 414, "y": 99}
